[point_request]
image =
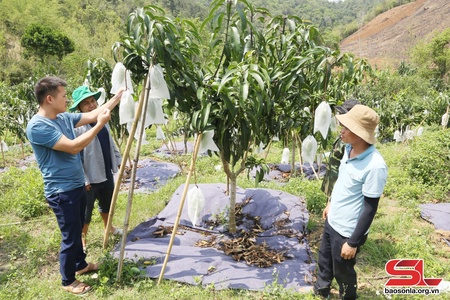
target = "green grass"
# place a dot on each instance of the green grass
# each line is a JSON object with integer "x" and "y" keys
{"x": 29, "y": 267}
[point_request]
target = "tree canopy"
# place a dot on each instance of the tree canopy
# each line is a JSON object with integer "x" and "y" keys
{"x": 42, "y": 41}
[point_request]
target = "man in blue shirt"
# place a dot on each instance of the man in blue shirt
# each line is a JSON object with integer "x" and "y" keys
{"x": 51, "y": 134}
{"x": 353, "y": 204}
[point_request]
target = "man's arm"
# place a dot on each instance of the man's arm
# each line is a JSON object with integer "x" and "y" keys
{"x": 74, "y": 146}
{"x": 364, "y": 222}
{"x": 91, "y": 117}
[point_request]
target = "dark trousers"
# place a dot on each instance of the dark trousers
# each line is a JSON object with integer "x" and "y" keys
{"x": 69, "y": 211}
{"x": 332, "y": 265}
{"x": 103, "y": 192}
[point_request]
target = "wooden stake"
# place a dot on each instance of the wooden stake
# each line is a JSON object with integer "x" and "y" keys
{"x": 180, "y": 208}
{"x": 131, "y": 188}
{"x": 122, "y": 166}
{"x": 293, "y": 170}
{"x": 314, "y": 171}
{"x": 297, "y": 138}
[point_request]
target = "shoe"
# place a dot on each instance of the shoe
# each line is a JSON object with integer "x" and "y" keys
{"x": 91, "y": 267}
{"x": 117, "y": 231}
{"x": 77, "y": 288}
{"x": 316, "y": 293}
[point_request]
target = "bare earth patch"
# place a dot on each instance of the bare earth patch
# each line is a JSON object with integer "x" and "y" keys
{"x": 388, "y": 38}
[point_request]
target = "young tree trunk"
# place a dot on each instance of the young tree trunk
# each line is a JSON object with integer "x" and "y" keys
{"x": 3, "y": 155}
{"x": 232, "y": 177}
{"x": 293, "y": 170}
{"x": 232, "y": 212}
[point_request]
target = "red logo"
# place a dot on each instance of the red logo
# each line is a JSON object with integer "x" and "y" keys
{"x": 409, "y": 273}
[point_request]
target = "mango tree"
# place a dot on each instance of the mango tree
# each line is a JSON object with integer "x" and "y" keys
{"x": 294, "y": 57}
{"x": 17, "y": 105}
{"x": 249, "y": 85}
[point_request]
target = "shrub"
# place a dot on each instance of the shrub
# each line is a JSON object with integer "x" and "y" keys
{"x": 22, "y": 193}
{"x": 316, "y": 200}
{"x": 428, "y": 159}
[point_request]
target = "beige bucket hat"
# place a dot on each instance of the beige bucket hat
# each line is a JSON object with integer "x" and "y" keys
{"x": 362, "y": 121}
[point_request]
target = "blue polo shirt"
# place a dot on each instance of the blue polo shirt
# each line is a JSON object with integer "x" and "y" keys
{"x": 62, "y": 172}
{"x": 363, "y": 175}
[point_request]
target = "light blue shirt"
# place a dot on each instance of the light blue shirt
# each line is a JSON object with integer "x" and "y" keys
{"x": 62, "y": 172}
{"x": 363, "y": 175}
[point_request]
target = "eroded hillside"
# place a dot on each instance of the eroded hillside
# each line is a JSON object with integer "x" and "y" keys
{"x": 388, "y": 38}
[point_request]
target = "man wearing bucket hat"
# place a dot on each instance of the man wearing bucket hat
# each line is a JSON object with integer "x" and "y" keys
{"x": 51, "y": 134}
{"x": 353, "y": 204}
{"x": 100, "y": 158}
{"x": 336, "y": 154}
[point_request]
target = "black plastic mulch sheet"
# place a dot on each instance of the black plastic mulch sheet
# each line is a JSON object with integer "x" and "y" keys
{"x": 195, "y": 265}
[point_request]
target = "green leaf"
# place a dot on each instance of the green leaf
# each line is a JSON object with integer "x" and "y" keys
{"x": 258, "y": 78}
{"x": 244, "y": 91}
{"x": 205, "y": 116}
{"x": 230, "y": 106}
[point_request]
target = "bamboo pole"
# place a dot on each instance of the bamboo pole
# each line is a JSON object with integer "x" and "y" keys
{"x": 314, "y": 170}
{"x": 180, "y": 207}
{"x": 293, "y": 170}
{"x": 3, "y": 153}
{"x": 131, "y": 188}
{"x": 268, "y": 149}
{"x": 122, "y": 167}
{"x": 297, "y": 138}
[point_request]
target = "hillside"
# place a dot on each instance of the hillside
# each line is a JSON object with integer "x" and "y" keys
{"x": 387, "y": 39}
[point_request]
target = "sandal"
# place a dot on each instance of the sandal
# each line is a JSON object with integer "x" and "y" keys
{"x": 77, "y": 288}
{"x": 91, "y": 267}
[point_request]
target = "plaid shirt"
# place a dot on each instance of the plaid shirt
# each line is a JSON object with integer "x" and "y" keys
{"x": 332, "y": 170}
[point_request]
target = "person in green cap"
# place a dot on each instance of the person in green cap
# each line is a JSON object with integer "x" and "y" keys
{"x": 100, "y": 158}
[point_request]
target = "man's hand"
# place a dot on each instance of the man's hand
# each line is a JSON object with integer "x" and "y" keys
{"x": 325, "y": 211}
{"x": 104, "y": 117}
{"x": 348, "y": 252}
{"x": 118, "y": 95}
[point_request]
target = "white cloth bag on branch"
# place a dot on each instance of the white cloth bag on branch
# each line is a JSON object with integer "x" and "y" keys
{"x": 322, "y": 119}
{"x": 207, "y": 142}
{"x": 160, "y": 133}
{"x": 4, "y": 146}
{"x": 444, "y": 121}
{"x": 420, "y": 131}
{"x": 158, "y": 85}
{"x": 334, "y": 124}
{"x": 285, "y": 156}
{"x": 196, "y": 203}
{"x": 126, "y": 108}
{"x": 121, "y": 78}
{"x": 154, "y": 112}
{"x": 102, "y": 98}
{"x": 309, "y": 149}
{"x": 138, "y": 132}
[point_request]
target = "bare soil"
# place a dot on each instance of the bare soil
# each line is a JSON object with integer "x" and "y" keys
{"x": 388, "y": 38}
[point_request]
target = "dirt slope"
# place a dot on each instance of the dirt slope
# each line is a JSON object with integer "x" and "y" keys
{"x": 388, "y": 39}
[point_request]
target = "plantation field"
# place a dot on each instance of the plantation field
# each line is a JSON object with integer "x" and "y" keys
{"x": 29, "y": 237}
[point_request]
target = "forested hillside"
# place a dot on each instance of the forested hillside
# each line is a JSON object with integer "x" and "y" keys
{"x": 94, "y": 25}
